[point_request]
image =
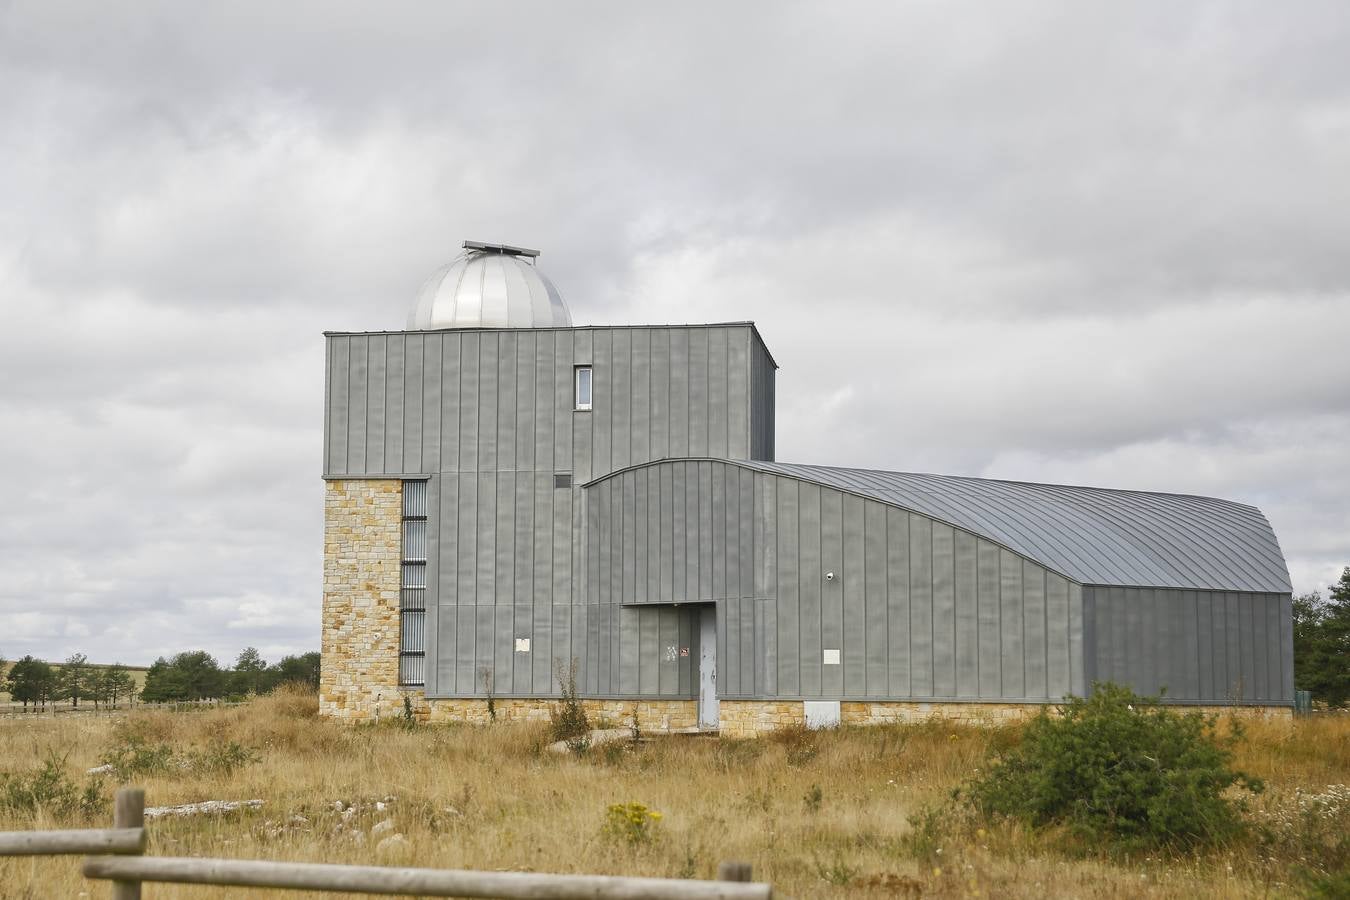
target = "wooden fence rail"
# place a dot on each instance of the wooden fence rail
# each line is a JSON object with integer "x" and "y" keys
{"x": 413, "y": 882}
{"x": 128, "y": 872}
{"x": 80, "y": 842}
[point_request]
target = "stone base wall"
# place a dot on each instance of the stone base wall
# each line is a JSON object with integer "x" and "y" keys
{"x": 656, "y": 716}
{"x": 362, "y": 544}
{"x": 752, "y": 718}
{"x": 893, "y": 713}
{"x": 1265, "y": 713}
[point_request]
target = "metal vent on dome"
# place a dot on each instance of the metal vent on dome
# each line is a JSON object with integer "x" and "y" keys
{"x": 500, "y": 248}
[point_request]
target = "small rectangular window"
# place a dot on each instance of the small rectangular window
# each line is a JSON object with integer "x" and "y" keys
{"x": 583, "y": 387}
{"x": 562, "y": 481}
{"x": 414, "y": 540}
{"x": 413, "y": 586}
{"x": 414, "y": 499}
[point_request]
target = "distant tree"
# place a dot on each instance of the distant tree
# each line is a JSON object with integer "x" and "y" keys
{"x": 1309, "y": 612}
{"x": 118, "y": 684}
{"x": 98, "y": 686}
{"x": 161, "y": 682}
{"x": 31, "y": 681}
{"x": 75, "y": 678}
{"x": 194, "y": 675}
{"x": 108, "y": 684}
{"x": 302, "y": 669}
{"x": 249, "y": 672}
{"x": 1322, "y": 642}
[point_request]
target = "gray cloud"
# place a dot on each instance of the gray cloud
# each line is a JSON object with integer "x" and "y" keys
{"x": 1044, "y": 241}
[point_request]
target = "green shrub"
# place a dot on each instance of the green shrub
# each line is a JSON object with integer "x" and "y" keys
{"x": 1120, "y": 770}
{"x": 929, "y": 828}
{"x": 567, "y": 718}
{"x": 632, "y": 823}
{"x": 409, "y": 719}
{"x": 222, "y": 759}
{"x": 49, "y": 788}
{"x": 1335, "y": 886}
{"x": 836, "y": 871}
{"x": 814, "y": 798}
{"x": 136, "y": 756}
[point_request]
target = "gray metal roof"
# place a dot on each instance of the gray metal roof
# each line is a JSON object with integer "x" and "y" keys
{"x": 1092, "y": 535}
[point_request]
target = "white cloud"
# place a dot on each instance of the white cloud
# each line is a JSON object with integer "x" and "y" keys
{"x": 1040, "y": 242}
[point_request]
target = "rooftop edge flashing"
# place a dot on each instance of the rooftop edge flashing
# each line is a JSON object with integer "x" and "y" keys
{"x": 474, "y": 330}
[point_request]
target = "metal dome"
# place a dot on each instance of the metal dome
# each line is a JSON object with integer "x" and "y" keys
{"x": 489, "y": 286}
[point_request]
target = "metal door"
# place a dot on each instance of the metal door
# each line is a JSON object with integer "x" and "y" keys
{"x": 707, "y": 668}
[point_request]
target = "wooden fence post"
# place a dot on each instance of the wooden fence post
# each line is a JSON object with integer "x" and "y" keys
{"x": 734, "y": 871}
{"x": 128, "y": 812}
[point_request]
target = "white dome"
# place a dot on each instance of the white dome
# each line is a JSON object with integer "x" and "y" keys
{"x": 489, "y": 286}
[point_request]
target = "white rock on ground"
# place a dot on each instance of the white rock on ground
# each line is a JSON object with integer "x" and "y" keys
{"x": 597, "y": 737}
{"x": 99, "y": 770}
{"x": 206, "y": 807}
{"x": 380, "y": 828}
{"x": 395, "y": 843}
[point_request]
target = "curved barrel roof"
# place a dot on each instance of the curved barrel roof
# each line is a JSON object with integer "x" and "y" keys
{"x": 1092, "y": 535}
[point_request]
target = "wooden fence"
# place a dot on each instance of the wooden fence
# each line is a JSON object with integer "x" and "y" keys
{"x": 52, "y": 710}
{"x": 129, "y": 869}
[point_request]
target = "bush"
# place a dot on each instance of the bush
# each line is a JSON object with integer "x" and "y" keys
{"x": 50, "y": 789}
{"x": 567, "y": 718}
{"x": 632, "y": 823}
{"x": 136, "y": 756}
{"x": 220, "y": 759}
{"x": 1121, "y": 770}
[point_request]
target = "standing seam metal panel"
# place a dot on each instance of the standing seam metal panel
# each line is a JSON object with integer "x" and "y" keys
{"x": 917, "y": 609}
{"x": 491, "y": 411}
{"x": 1202, "y": 646}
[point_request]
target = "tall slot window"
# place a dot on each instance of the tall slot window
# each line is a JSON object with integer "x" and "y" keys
{"x": 583, "y": 387}
{"x": 413, "y": 586}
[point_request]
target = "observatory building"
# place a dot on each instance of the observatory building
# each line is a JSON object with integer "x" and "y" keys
{"x": 510, "y": 496}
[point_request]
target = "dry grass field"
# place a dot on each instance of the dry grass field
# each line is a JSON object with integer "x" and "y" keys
{"x": 818, "y": 814}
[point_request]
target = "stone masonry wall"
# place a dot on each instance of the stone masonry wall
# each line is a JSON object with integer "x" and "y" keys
{"x": 753, "y": 718}
{"x": 362, "y": 539}
{"x": 656, "y": 716}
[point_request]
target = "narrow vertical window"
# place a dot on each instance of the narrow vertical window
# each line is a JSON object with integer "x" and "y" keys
{"x": 413, "y": 583}
{"x": 583, "y": 387}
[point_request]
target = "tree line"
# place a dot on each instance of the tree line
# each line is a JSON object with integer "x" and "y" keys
{"x": 1322, "y": 642}
{"x": 192, "y": 675}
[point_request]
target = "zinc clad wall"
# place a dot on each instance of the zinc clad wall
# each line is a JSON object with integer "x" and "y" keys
{"x": 488, "y": 418}
{"x": 1208, "y": 647}
{"x": 762, "y": 425}
{"x": 917, "y": 609}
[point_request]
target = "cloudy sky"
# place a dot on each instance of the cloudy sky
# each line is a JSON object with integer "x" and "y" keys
{"x": 1104, "y": 245}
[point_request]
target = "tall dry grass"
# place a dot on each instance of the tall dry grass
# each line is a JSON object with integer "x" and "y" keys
{"x": 816, "y": 813}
